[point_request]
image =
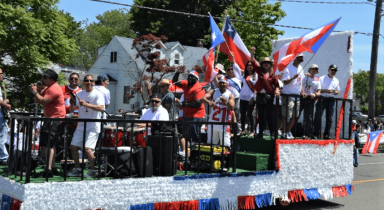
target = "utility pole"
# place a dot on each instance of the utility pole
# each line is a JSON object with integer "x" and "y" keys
{"x": 374, "y": 55}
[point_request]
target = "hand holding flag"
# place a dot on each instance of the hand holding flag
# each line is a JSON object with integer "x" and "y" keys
{"x": 209, "y": 58}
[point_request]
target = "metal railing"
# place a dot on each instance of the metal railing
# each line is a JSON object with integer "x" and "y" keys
{"x": 347, "y": 105}
{"x": 27, "y": 123}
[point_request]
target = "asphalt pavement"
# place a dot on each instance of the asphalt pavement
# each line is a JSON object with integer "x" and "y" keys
{"x": 368, "y": 184}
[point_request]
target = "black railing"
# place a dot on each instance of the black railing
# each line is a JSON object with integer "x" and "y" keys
{"x": 27, "y": 122}
{"x": 347, "y": 104}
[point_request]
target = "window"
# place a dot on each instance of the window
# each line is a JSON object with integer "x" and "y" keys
{"x": 127, "y": 94}
{"x": 177, "y": 59}
{"x": 113, "y": 57}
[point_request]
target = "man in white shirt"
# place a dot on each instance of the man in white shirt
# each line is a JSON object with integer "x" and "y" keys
{"x": 292, "y": 78}
{"x": 329, "y": 88}
{"x": 311, "y": 88}
{"x": 222, "y": 103}
{"x": 91, "y": 104}
{"x": 233, "y": 76}
{"x": 102, "y": 83}
{"x": 155, "y": 112}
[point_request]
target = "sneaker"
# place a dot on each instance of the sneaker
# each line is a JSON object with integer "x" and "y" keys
{"x": 283, "y": 136}
{"x": 91, "y": 174}
{"x": 289, "y": 135}
{"x": 279, "y": 132}
{"x": 75, "y": 172}
{"x": 55, "y": 171}
{"x": 48, "y": 174}
{"x": 266, "y": 132}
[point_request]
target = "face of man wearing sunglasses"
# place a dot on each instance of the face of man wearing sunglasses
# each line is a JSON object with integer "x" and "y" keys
{"x": 88, "y": 83}
{"x": 155, "y": 104}
{"x": 73, "y": 81}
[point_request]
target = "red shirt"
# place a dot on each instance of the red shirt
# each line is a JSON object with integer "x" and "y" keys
{"x": 272, "y": 79}
{"x": 66, "y": 90}
{"x": 56, "y": 108}
{"x": 190, "y": 95}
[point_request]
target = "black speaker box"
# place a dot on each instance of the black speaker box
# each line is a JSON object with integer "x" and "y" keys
{"x": 164, "y": 152}
{"x": 142, "y": 163}
{"x": 19, "y": 161}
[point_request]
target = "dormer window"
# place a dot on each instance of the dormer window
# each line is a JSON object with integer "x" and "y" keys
{"x": 177, "y": 59}
{"x": 113, "y": 57}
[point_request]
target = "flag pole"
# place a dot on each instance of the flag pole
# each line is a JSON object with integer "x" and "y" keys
{"x": 218, "y": 47}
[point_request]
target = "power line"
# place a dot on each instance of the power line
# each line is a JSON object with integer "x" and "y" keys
{"x": 219, "y": 18}
{"x": 323, "y": 2}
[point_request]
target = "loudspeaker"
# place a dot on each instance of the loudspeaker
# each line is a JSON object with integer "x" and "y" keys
{"x": 19, "y": 161}
{"x": 164, "y": 152}
{"x": 144, "y": 161}
{"x": 141, "y": 166}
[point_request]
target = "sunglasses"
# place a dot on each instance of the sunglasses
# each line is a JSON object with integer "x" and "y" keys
{"x": 154, "y": 101}
{"x": 89, "y": 80}
{"x": 249, "y": 65}
{"x": 73, "y": 78}
{"x": 229, "y": 69}
{"x": 333, "y": 69}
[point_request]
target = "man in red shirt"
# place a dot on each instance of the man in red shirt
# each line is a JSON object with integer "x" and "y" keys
{"x": 267, "y": 88}
{"x": 73, "y": 87}
{"x": 52, "y": 99}
{"x": 193, "y": 108}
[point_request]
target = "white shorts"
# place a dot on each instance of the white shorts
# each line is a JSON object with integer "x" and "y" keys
{"x": 218, "y": 137}
{"x": 90, "y": 139}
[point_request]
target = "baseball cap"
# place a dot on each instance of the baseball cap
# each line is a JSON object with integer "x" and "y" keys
{"x": 156, "y": 95}
{"x": 102, "y": 77}
{"x": 333, "y": 67}
{"x": 194, "y": 73}
{"x": 222, "y": 79}
{"x": 354, "y": 121}
{"x": 51, "y": 74}
{"x": 314, "y": 66}
{"x": 301, "y": 55}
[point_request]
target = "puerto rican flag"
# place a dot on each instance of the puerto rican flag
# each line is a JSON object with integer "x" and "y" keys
{"x": 209, "y": 57}
{"x": 309, "y": 42}
{"x": 234, "y": 44}
{"x": 209, "y": 61}
{"x": 372, "y": 143}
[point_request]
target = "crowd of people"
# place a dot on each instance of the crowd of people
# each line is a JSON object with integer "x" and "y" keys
{"x": 232, "y": 96}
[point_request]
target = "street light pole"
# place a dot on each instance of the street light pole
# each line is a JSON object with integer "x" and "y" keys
{"x": 374, "y": 55}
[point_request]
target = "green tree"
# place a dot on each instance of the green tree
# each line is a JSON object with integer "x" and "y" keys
{"x": 32, "y": 35}
{"x": 177, "y": 27}
{"x": 97, "y": 34}
{"x": 361, "y": 89}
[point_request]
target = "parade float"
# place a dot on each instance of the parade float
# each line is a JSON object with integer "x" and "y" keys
{"x": 267, "y": 171}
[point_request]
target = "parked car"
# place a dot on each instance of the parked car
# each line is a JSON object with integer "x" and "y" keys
{"x": 360, "y": 116}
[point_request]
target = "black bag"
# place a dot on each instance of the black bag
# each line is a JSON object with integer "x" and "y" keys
{"x": 297, "y": 129}
{"x": 263, "y": 98}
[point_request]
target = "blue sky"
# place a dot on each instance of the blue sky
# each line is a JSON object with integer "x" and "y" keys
{"x": 356, "y": 17}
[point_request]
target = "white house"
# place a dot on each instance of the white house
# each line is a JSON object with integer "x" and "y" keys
{"x": 117, "y": 60}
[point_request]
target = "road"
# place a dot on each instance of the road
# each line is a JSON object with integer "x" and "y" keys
{"x": 368, "y": 184}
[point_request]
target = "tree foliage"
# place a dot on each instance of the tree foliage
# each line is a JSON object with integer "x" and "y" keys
{"x": 32, "y": 34}
{"x": 361, "y": 89}
{"x": 185, "y": 29}
{"x": 97, "y": 34}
